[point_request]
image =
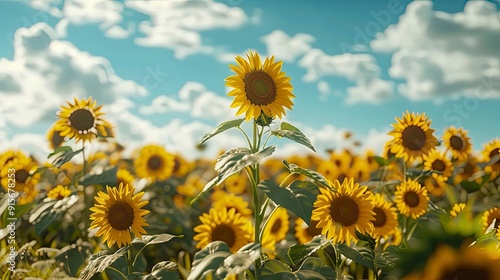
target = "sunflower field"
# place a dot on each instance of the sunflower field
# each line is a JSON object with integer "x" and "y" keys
{"x": 428, "y": 207}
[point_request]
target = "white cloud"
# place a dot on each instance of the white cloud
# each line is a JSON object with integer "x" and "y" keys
{"x": 49, "y": 6}
{"x": 360, "y": 68}
{"x": 287, "y": 48}
{"x": 118, "y": 32}
{"x": 442, "y": 55}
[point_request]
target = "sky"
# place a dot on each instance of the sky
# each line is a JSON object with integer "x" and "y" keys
{"x": 158, "y": 67}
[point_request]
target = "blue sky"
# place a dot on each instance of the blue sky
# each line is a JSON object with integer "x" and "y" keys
{"x": 159, "y": 66}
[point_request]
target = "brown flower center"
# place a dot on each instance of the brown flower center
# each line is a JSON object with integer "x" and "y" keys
{"x": 456, "y": 142}
{"x": 260, "y": 87}
{"x": 224, "y": 233}
{"x": 21, "y": 176}
{"x": 276, "y": 226}
{"x": 155, "y": 162}
{"x": 82, "y": 120}
{"x": 438, "y": 165}
{"x": 380, "y": 217}
{"x": 466, "y": 272}
{"x": 121, "y": 215}
{"x": 413, "y": 137}
{"x": 341, "y": 177}
{"x": 495, "y": 153}
{"x": 177, "y": 165}
{"x": 411, "y": 198}
{"x": 344, "y": 210}
{"x": 312, "y": 230}
{"x": 56, "y": 139}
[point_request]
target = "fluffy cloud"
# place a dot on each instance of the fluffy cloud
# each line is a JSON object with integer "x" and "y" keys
{"x": 441, "y": 55}
{"x": 287, "y": 48}
{"x": 195, "y": 99}
{"x": 360, "y": 68}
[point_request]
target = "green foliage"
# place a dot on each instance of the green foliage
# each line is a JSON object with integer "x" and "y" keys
{"x": 100, "y": 261}
{"x": 291, "y": 132}
{"x": 63, "y": 154}
{"x": 315, "y": 176}
{"x": 219, "y": 129}
{"x": 298, "y": 252}
{"x": 107, "y": 177}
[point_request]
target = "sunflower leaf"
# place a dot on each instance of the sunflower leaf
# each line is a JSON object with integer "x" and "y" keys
{"x": 271, "y": 267}
{"x": 99, "y": 263}
{"x": 219, "y": 129}
{"x": 315, "y": 176}
{"x": 297, "y": 252}
{"x": 358, "y": 254}
{"x": 63, "y": 155}
{"x": 163, "y": 270}
{"x": 107, "y": 177}
{"x": 299, "y": 275}
{"x": 209, "y": 258}
{"x": 231, "y": 162}
{"x": 317, "y": 264}
{"x": 154, "y": 239}
{"x": 291, "y": 132}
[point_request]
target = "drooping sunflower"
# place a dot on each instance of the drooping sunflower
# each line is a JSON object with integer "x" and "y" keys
{"x": 437, "y": 161}
{"x": 259, "y": 87}
{"x": 305, "y": 233}
{"x": 223, "y": 225}
{"x": 54, "y": 138}
{"x": 385, "y": 216}
{"x": 491, "y": 154}
{"x": 236, "y": 183}
{"x": 411, "y": 199}
{"x": 154, "y": 162}
{"x": 436, "y": 185}
{"x": 457, "y": 141}
{"x": 59, "y": 192}
{"x": 341, "y": 213}
{"x": 25, "y": 178}
{"x": 230, "y": 200}
{"x": 489, "y": 216}
{"x": 81, "y": 120}
{"x": 278, "y": 224}
{"x": 413, "y": 137}
{"x": 117, "y": 212}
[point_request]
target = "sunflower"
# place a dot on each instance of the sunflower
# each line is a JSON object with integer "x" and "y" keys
{"x": 457, "y": 141}
{"x": 192, "y": 186}
{"x": 25, "y": 178}
{"x": 489, "y": 216}
{"x": 81, "y": 120}
{"x": 389, "y": 151}
{"x": 385, "y": 216}
{"x": 457, "y": 209}
{"x": 124, "y": 176}
{"x": 259, "y": 87}
{"x": 341, "y": 213}
{"x": 230, "y": 200}
{"x": 59, "y": 192}
{"x": 54, "y": 138}
{"x": 413, "y": 137}
{"x": 181, "y": 166}
{"x": 154, "y": 162}
{"x": 305, "y": 233}
{"x": 463, "y": 264}
{"x": 223, "y": 225}
{"x": 278, "y": 224}
{"x": 467, "y": 170}
{"x": 435, "y": 185}
{"x": 438, "y": 162}
{"x": 236, "y": 183}
{"x": 491, "y": 154}
{"x": 118, "y": 212}
{"x": 10, "y": 155}
{"x": 411, "y": 199}
{"x": 395, "y": 238}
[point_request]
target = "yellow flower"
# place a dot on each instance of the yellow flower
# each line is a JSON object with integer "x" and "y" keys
{"x": 489, "y": 216}
{"x": 223, "y": 225}
{"x": 192, "y": 186}
{"x": 413, "y": 137}
{"x": 117, "y": 212}
{"x": 236, "y": 183}
{"x": 305, "y": 233}
{"x": 59, "y": 192}
{"x": 229, "y": 201}
{"x": 438, "y": 162}
{"x": 54, "y": 138}
{"x": 385, "y": 222}
{"x": 411, "y": 199}
{"x": 468, "y": 170}
{"x": 278, "y": 224}
{"x": 259, "y": 87}
{"x": 10, "y": 155}
{"x": 181, "y": 166}
{"x": 457, "y": 209}
{"x": 154, "y": 162}
{"x": 124, "y": 176}
{"x": 24, "y": 179}
{"x": 389, "y": 151}
{"x": 81, "y": 120}
{"x": 435, "y": 185}
{"x": 491, "y": 154}
{"x": 457, "y": 141}
{"x": 341, "y": 213}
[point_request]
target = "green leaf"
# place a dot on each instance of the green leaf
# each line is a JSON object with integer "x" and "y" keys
{"x": 239, "y": 262}
{"x": 361, "y": 255}
{"x": 231, "y": 162}
{"x": 296, "y": 199}
{"x": 299, "y": 275}
{"x": 100, "y": 261}
{"x": 107, "y": 177}
{"x": 316, "y": 264}
{"x": 63, "y": 154}
{"x": 154, "y": 239}
{"x": 209, "y": 258}
{"x": 315, "y": 176}
{"x": 380, "y": 160}
{"x": 163, "y": 270}
{"x": 298, "y": 252}
{"x": 291, "y": 132}
{"x": 271, "y": 267}
{"x": 387, "y": 258}
{"x": 219, "y": 129}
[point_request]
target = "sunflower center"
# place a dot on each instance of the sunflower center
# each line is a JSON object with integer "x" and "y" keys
{"x": 177, "y": 165}
{"x": 411, "y": 199}
{"x": 456, "y": 142}
{"x": 312, "y": 230}
{"x": 260, "y": 87}
{"x": 121, "y": 215}
{"x": 380, "y": 217}
{"x": 155, "y": 162}
{"x": 57, "y": 139}
{"x": 82, "y": 120}
{"x": 341, "y": 177}
{"x": 495, "y": 152}
{"x": 438, "y": 165}
{"x": 21, "y": 176}
{"x": 465, "y": 272}
{"x": 276, "y": 226}
{"x": 344, "y": 210}
{"x": 224, "y": 233}
{"x": 413, "y": 137}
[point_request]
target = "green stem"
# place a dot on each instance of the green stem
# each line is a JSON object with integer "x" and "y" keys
{"x": 117, "y": 271}
{"x": 286, "y": 178}
{"x": 84, "y": 160}
{"x": 246, "y": 136}
{"x": 267, "y": 221}
{"x": 129, "y": 262}
{"x": 254, "y": 134}
{"x": 405, "y": 227}
{"x": 267, "y": 139}
{"x": 137, "y": 255}
{"x": 256, "y": 206}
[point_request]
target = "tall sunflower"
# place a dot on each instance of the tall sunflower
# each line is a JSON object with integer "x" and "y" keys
{"x": 305, "y": 233}
{"x": 437, "y": 161}
{"x": 278, "y": 224}
{"x": 117, "y": 212}
{"x": 25, "y": 178}
{"x": 385, "y": 222}
{"x": 154, "y": 162}
{"x": 54, "y": 138}
{"x": 341, "y": 213}
{"x": 81, "y": 120}
{"x": 457, "y": 141}
{"x": 411, "y": 199}
{"x": 223, "y": 225}
{"x": 413, "y": 137}
{"x": 491, "y": 154}
{"x": 259, "y": 87}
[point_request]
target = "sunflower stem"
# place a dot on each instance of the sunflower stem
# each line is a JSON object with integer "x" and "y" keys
{"x": 405, "y": 226}
{"x": 286, "y": 178}
{"x": 129, "y": 262}
{"x": 267, "y": 221}
{"x": 117, "y": 271}
{"x": 256, "y": 178}
{"x": 246, "y": 136}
